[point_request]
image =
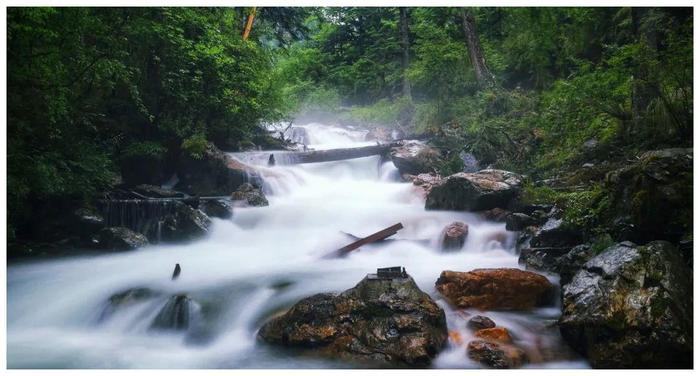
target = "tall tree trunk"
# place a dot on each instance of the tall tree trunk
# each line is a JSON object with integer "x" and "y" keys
{"x": 405, "y": 45}
{"x": 642, "y": 89}
{"x": 249, "y": 24}
{"x": 476, "y": 55}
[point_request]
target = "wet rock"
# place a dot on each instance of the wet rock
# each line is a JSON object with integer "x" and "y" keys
{"x": 519, "y": 221}
{"x": 631, "y": 307}
{"x": 483, "y": 190}
{"x": 215, "y": 174}
{"x": 388, "y": 321}
{"x": 424, "y": 182}
{"x": 542, "y": 259}
{"x": 120, "y": 239}
{"x": 415, "y": 157}
{"x": 178, "y": 313}
{"x": 496, "y": 355}
{"x": 217, "y": 208}
{"x": 495, "y": 214}
{"x": 496, "y": 334}
{"x": 126, "y": 298}
{"x": 156, "y": 191}
{"x": 454, "y": 236}
{"x": 569, "y": 264}
{"x": 556, "y": 233}
{"x": 248, "y": 195}
{"x": 184, "y": 223}
{"x": 86, "y": 222}
{"x": 649, "y": 198}
{"x": 495, "y": 289}
{"x": 480, "y": 322}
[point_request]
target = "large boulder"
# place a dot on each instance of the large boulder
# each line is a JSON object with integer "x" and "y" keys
{"x": 631, "y": 307}
{"x": 415, "y": 157}
{"x": 381, "y": 321}
{"x": 496, "y": 355}
{"x": 120, "y": 239}
{"x": 423, "y": 182}
{"x": 184, "y": 223}
{"x": 651, "y": 199}
{"x": 214, "y": 174}
{"x": 495, "y": 289}
{"x": 221, "y": 208}
{"x": 483, "y": 190}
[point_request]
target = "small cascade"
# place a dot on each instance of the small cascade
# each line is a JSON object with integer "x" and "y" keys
{"x": 144, "y": 216}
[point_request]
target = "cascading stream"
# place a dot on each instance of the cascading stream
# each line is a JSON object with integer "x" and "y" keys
{"x": 252, "y": 266}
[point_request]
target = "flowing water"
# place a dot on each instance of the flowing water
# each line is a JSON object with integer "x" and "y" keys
{"x": 256, "y": 264}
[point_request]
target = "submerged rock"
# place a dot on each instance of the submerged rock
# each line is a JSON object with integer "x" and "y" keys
{"x": 379, "y": 320}
{"x": 249, "y": 195}
{"x": 631, "y": 307}
{"x": 454, "y": 236}
{"x": 217, "y": 208}
{"x": 495, "y": 334}
{"x": 126, "y": 298}
{"x": 415, "y": 157}
{"x": 178, "y": 313}
{"x": 121, "y": 239}
{"x": 495, "y": 289}
{"x": 483, "y": 190}
{"x": 496, "y": 355}
{"x": 184, "y": 223}
{"x": 480, "y": 322}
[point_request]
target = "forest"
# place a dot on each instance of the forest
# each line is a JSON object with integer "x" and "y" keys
{"x": 592, "y": 108}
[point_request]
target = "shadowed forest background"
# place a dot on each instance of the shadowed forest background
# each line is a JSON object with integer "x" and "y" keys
{"x": 107, "y": 96}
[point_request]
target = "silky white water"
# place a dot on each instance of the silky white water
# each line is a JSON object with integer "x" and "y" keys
{"x": 258, "y": 263}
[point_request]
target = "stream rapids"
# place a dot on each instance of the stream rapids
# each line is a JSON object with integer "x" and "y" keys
{"x": 256, "y": 264}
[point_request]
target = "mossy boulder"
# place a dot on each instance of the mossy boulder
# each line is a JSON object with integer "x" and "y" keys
{"x": 385, "y": 322}
{"x": 483, "y": 190}
{"x": 415, "y": 157}
{"x": 652, "y": 198}
{"x": 631, "y": 307}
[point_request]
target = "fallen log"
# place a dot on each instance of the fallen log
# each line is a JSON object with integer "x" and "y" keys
{"x": 377, "y": 236}
{"x": 425, "y": 242}
{"x": 316, "y": 156}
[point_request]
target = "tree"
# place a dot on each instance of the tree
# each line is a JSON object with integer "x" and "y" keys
{"x": 405, "y": 46}
{"x": 476, "y": 55}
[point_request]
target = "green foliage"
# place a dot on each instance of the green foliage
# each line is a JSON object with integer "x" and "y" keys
{"x": 195, "y": 146}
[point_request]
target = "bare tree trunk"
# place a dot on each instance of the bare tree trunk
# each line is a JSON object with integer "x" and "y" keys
{"x": 405, "y": 45}
{"x": 476, "y": 55}
{"x": 249, "y": 24}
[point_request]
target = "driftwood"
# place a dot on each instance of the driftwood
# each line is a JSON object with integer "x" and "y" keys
{"x": 377, "y": 236}
{"x": 331, "y": 155}
{"x": 176, "y": 272}
{"x": 425, "y": 242}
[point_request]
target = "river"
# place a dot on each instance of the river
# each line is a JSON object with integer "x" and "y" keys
{"x": 257, "y": 263}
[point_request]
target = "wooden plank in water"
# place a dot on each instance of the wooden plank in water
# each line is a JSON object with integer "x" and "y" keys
{"x": 377, "y": 236}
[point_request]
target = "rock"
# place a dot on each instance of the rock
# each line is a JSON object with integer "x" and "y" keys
{"x": 631, "y": 307}
{"x": 480, "y": 322}
{"x": 519, "y": 221}
{"x": 496, "y": 355}
{"x": 299, "y": 135}
{"x": 87, "y": 222}
{"x": 217, "y": 208}
{"x": 542, "y": 259}
{"x": 121, "y": 239}
{"x": 483, "y": 190}
{"x": 389, "y": 321}
{"x": 651, "y": 196}
{"x": 495, "y": 289}
{"x": 425, "y": 182}
{"x": 215, "y": 174}
{"x": 248, "y": 195}
{"x": 454, "y": 235}
{"x": 496, "y": 334}
{"x": 556, "y": 233}
{"x": 184, "y": 223}
{"x": 495, "y": 214}
{"x": 156, "y": 191}
{"x": 471, "y": 164}
{"x": 126, "y": 298}
{"x": 590, "y": 144}
{"x": 379, "y": 134}
{"x": 415, "y": 157}
{"x": 178, "y": 313}
{"x": 569, "y": 264}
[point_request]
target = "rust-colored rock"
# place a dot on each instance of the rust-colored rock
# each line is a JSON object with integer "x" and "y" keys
{"x": 454, "y": 236}
{"x": 495, "y": 289}
{"x": 496, "y": 355}
{"x": 497, "y": 334}
{"x": 480, "y": 322}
